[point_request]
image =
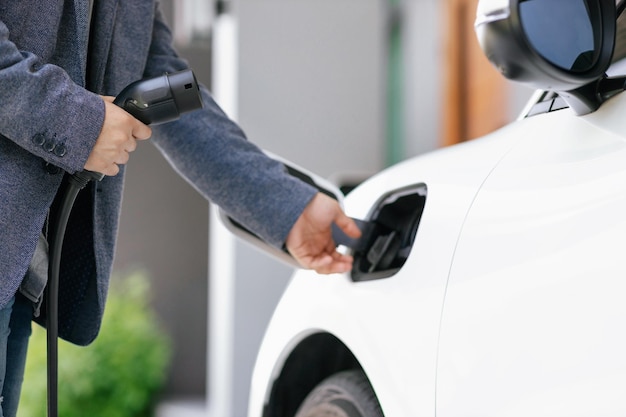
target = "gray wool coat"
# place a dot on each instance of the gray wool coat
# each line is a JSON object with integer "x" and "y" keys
{"x": 51, "y": 73}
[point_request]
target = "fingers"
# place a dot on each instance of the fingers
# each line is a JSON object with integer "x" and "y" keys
{"x": 326, "y": 263}
{"x": 348, "y": 225}
{"x": 140, "y": 131}
{"x": 335, "y": 263}
{"x": 118, "y": 138}
{"x": 110, "y": 170}
{"x": 310, "y": 240}
{"x": 131, "y": 145}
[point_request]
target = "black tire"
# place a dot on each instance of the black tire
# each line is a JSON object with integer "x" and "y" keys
{"x": 345, "y": 394}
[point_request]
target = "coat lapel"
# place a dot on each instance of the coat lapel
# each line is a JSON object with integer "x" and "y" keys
{"x": 101, "y": 35}
{"x": 80, "y": 14}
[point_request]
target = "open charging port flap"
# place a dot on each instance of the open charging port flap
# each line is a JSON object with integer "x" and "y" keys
{"x": 394, "y": 222}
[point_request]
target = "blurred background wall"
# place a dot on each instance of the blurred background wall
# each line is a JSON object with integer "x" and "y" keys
{"x": 340, "y": 87}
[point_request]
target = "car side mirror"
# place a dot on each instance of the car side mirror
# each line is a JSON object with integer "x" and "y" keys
{"x": 558, "y": 45}
{"x": 242, "y": 232}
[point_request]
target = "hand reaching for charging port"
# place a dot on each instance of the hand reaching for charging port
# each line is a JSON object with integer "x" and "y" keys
{"x": 118, "y": 137}
{"x": 310, "y": 240}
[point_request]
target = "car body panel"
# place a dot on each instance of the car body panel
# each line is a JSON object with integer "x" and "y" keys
{"x": 512, "y": 219}
{"x": 510, "y": 302}
{"x": 534, "y": 307}
{"x": 357, "y": 313}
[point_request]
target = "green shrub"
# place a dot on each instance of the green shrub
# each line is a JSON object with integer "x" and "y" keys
{"x": 116, "y": 376}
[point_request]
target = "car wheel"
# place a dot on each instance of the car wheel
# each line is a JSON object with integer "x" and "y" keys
{"x": 345, "y": 394}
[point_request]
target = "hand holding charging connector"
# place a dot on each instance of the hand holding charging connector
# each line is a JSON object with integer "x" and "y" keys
{"x": 118, "y": 138}
{"x": 152, "y": 101}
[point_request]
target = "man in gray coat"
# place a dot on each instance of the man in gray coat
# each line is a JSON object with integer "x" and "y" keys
{"x": 61, "y": 61}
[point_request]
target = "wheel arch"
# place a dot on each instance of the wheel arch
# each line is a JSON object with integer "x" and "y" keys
{"x": 315, "y": 358}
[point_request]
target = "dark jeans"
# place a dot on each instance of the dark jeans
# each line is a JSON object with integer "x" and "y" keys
{"x": 15, "y": 330}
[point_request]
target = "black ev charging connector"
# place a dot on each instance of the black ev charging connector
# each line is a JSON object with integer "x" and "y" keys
{"x": 152, "y": 101}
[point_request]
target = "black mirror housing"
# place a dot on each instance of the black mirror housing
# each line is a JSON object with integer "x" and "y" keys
{"x": 556, "y": 45}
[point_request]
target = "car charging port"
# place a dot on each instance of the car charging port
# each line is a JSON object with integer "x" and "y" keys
{"x": 394, "y": 222}
{"x": 383, "y": 251}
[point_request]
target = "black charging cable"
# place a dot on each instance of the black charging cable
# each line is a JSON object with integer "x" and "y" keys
{"x": 152, "y": 101}
{"x": 76, "y": 182}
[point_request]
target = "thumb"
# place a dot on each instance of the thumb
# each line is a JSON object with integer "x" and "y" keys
{"x": 347, "y": 225}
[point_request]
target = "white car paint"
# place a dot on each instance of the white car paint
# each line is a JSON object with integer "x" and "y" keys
{"x": 510, "y": 302}
{"x": 534, "y": 307}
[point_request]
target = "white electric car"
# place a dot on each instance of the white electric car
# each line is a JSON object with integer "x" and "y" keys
{"x": 493, "y": 282}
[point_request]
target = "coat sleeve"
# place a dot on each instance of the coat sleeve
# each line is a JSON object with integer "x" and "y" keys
{"x": 213, "y": 154}
{"x": 43, "y": 111}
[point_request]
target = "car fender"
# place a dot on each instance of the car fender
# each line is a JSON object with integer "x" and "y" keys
{"x": 399, "y": 354}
